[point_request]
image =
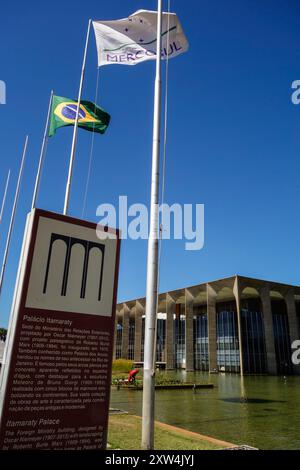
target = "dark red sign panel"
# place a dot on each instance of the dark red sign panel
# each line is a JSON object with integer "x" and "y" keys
{"x": 56, "y": 376}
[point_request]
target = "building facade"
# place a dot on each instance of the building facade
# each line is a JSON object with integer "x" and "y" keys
{"x": 237, "y": 324}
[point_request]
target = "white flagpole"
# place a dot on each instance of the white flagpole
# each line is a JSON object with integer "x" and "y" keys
{"x": 152, "y": 261}
{"x": 42, "y": 155}
{"x": 4, "y": 196}
{"x": 13, "y": 213}
{"x": 72, "y": 156}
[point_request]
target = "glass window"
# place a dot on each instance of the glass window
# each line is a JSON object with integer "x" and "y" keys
{"x": 200, "y": 338}
{"x": 119, "y": 339}
{"x": 179, "y": 337}
{"x": 282, "y": 337}
{"x": 253, "y": 337}
{"x": 131, "y": 339}
{"x": 228, "y": 357}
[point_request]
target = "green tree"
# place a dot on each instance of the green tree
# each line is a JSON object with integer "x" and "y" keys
{"x": 3, "y": 333}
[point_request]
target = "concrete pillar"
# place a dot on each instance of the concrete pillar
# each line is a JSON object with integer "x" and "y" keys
{"x": 169, "y": 348}
{"x": 293, "y": 323}
{"x": 138, "y": 332}
{"x": 269, "y": 330}
{"x": 212, "y": 327}
{"x": 189, "y": 331}
{"x": 125, "y": 331}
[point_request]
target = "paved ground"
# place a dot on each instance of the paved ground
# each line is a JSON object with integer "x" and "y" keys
{"x": 195, "y": 435}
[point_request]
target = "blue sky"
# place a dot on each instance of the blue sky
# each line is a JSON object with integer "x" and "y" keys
{"x": 233, "y": 132}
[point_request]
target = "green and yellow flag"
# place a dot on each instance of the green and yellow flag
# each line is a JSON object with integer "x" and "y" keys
{"x": 63, "y": 113}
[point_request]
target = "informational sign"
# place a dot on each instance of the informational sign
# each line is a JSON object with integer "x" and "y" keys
{"x": 56, "y": 373}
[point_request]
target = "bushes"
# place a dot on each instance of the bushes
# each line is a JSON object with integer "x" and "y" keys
{"x": 122, "y": 365}
{"x": 3, "y": 333}
{"x": 161, "y": 378}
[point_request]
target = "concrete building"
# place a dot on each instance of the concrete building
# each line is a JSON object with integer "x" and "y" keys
{"x": 237, "y": 324}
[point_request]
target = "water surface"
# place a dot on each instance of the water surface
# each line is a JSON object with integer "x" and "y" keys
{"x": 260, "y": 411}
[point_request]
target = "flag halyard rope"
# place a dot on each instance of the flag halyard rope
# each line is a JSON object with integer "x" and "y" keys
{"x": 91, "y": 152}
{"x": 163, "y": 185}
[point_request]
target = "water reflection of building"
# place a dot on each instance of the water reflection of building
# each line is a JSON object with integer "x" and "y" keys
{"x": 226, "y": 325}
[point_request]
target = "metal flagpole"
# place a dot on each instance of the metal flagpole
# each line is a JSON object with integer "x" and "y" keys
{"x": 152, "y": 261}
{"x": 13, "y": 213}
{"x": 4, "y": 196}
{"x": 42, "y": 155}
{"x": 72, "y": 156}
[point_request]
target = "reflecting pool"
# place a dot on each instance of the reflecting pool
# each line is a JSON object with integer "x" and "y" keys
{"x": 260, "y": 411}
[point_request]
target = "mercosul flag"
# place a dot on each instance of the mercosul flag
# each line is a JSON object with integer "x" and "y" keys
{"x": 132, "y": 40}
{"x": 63, "y": 113}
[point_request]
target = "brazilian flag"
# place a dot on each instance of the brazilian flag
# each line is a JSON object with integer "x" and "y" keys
{"x": 63, "y": 113}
